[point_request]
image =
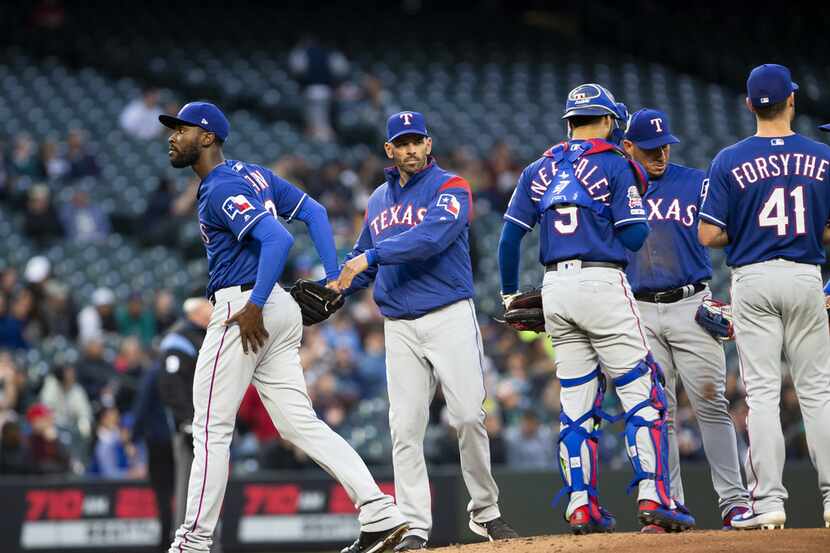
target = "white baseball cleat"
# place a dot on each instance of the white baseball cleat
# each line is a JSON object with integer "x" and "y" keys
{"x": 749, "y": 520}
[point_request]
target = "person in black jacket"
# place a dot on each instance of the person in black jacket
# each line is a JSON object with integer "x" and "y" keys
{"x": 179, "y": 350}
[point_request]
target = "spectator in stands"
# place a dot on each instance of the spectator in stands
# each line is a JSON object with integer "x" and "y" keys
{"x": 504, "y": 172}
{"x": 94, "y": 372}
{"x": 130, "y": 364}
{"x": 84, "y": 221}
{"x": 8, "y": 387}
{"x": 114, "y": 456}
{"x": 164, "y": 310}
{"x": 98, "y": 318}
{"x": 54, "y": 165}
{"x": 363, "y": 111}
{"x": 48, "y": 454}
{"x": 371, "y": 370}
{"x": 68, "y": 402}
{"x": 59, "y": 311}
{"x": 320, "y": 70}
{"x": 341, "y": 333}
{"x": 11, "y": 328}
{"x": 498, "y": 446}
{"x": 6, "y": 183}
{"x": 82, "y": 162}
{"x": 41, "y": 222}
{"x": 15, "y": 457}
{"x": 140, "y": 117}
{"x": 9, "y": 281}
{"x": 530, "y": 444}
{"x": 134, "y": 320}
{"x": 24, "y": 159}
{"x": 348, "y": 383}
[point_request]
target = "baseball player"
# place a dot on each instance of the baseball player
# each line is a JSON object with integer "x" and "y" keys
{"x": 585, "y": 196}
{"x": 768, "y": 204}
{"x": 414, "y": 244}
{"x": 255, "y": 330}
{"x": 668, "y": 276}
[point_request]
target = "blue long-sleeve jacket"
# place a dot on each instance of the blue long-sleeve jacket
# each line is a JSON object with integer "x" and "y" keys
{"x": 418, "y": 237}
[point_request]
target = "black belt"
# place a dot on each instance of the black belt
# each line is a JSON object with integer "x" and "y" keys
{"x": 587, "y": 265}
{"x": 242, "y": 288}
{"x": 671, "y": 296}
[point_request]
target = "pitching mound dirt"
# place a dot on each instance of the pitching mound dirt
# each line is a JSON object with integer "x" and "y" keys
{"x": 810, "y": 540}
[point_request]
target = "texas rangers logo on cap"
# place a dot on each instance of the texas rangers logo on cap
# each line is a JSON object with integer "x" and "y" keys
{"x": 236, "y": 205}
{"x": 584, "y": 93}
{"x": 405, "y": 122}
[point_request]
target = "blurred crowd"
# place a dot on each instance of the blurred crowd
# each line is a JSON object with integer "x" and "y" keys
{"x": 80, "y": 415}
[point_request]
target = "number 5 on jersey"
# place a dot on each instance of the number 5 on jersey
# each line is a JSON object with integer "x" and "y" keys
{"x": 774, "y": 211}
{"x": 569, "y": 220}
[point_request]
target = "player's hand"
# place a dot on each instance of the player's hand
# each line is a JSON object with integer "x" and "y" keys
{"x": 350, "y": 270}
{"x": 827, "y": 302}
{"x": 251, "y": 328}
{"x": 332, "y": 285}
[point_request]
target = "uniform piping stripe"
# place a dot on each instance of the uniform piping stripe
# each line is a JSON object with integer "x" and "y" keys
{"x": 250, "y": 224}
{"x": 518, "y": 222}
{"x": 713, "y": 219}
{"x": 630, "y": 220}
{"x": 296, "y": 208}
{"x": 748, "y": 442}
{"x": 478, "y": 345}
{"x": 207, "y": 426}
{"x": 633, "y": 311}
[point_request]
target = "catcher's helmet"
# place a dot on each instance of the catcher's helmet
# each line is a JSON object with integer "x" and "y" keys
{"x": 592, "y": 99}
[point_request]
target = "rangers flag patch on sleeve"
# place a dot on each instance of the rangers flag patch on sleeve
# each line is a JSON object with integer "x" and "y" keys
{"x": 450, "y": 204}
{"x": 236, "y": 205}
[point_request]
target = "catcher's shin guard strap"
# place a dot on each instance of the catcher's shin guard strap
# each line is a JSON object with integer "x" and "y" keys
{"x": 573, "y": 435}
{"x": 657, "y": 430}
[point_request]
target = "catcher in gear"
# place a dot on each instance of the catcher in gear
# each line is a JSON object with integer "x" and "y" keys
{"x": 584, "y": 194}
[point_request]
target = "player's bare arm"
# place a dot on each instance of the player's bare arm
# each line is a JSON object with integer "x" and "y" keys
{"x": 712, "y": 236}
{"x": 251, "y": 328}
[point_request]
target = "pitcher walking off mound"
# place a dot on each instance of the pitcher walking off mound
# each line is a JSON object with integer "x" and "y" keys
{"x": 255, "y": 331}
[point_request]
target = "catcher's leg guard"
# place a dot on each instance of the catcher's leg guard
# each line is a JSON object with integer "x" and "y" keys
{"x": 579, "y": 462}
{"x": 665, "y": 511}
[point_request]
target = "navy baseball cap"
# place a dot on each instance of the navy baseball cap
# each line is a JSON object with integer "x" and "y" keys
{"x": 200, "y": 114}
{"x": 405, "y": 122}
{"x": 769, "y": 84}
{"x": 649, "y": 129}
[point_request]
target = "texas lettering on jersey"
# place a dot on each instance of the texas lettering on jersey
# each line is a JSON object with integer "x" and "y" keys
{"x": 397, "y": 215}
{"x": 673, "y": 210}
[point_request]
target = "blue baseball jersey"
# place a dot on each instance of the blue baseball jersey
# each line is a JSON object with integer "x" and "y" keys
{"x": 232, "y": 198}
{"x": 772, "y": 195}
{"x": 419, "y": 234}
{"x": 574, "y": 232}
{"x": 672, "y": 256}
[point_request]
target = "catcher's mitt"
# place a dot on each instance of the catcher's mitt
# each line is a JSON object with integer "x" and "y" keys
{"x": 316, "y": 302}
{"x": 716, "y": 318}
{"x": 524, "y": 311}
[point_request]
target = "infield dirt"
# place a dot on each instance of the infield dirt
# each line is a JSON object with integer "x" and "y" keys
{"x": 807, "y": 540}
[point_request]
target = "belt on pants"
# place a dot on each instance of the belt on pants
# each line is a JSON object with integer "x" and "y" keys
{"x": 583, "y": 264}
{"x": 671, "y": 296}
{"x": 242, "y": 288}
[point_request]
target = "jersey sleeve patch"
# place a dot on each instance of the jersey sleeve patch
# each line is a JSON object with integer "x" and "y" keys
{"x": 635, "y": 201}
{"x": 236, "y": 205}
{"x": 450, "y": 204}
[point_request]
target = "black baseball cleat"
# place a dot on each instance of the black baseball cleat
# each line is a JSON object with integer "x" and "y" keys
{"x": 411, "y": 543}
{"x": 375, "y": 542}
{"x": 496, "y": 529}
